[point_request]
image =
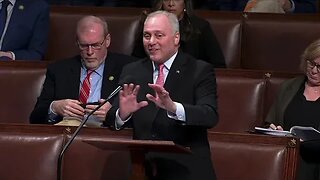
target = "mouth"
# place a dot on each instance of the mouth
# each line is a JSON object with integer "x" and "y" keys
{"x": 171, "y": 10}
{"x": 90, "y": 60}
{"x": 152, "y": 50}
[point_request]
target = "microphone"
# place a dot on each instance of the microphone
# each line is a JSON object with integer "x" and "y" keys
{"x": 126, "y": 80}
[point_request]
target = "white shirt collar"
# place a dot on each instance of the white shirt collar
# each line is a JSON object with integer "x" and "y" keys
{"x": 167, "y": 63}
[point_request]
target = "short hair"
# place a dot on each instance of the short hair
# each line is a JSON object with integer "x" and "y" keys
{"x": 310, "y": 53}
{"x": 173, "y": 20}
{"x": 87, "y": 22}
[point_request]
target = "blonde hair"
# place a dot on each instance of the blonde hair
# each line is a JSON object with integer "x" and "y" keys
{"x": 310, "y": 53}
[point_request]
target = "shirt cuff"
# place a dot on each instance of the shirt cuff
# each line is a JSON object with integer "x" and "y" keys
{"x": 52, "y": 116}
{"x": 13, "y": 55}
{"x": 180, "y": 114}
{"x": 119, "y": 122}
{"x": 292, "y": 7}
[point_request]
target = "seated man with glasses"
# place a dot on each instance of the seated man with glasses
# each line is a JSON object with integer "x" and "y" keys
{"x": 298, "y": 103}
{"x": 75, "y": 86}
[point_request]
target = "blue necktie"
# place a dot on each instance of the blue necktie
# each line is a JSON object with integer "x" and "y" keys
{"x": 3, "y": 15}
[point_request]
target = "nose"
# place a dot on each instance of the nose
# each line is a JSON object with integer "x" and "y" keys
{"x": 90, "y": 50}
{"x": 314, "y": 70}
{"x": 171, "y": 3}
{"x": 152, "y": 40}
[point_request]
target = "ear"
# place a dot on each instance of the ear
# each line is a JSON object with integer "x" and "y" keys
{"x": 177, "y": 38}
{"x": 108, "y": 40}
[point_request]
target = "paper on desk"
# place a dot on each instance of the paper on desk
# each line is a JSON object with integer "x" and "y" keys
{"x": 304, "y": 133}
{"x": 269, "y": 131}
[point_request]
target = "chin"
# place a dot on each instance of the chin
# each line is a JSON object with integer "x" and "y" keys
{"x": 314, "y": 82}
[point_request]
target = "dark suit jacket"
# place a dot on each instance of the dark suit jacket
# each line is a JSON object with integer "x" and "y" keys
{"x": 203, "y": 44}
{"x": 192, "y": 83}
{"x": 301, "y": 6}
{"x": 63, "y": 82}
{"x": 27, "y": 32}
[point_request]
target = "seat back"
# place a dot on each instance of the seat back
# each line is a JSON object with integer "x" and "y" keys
{"x": 21, "y": 85}
{"x": 227, "y": 28}
{"x": 248, "y": 156}
{"x": 29, "y": 153}
{"x": 240, "y": 100}
{"x": 276, "y": 41}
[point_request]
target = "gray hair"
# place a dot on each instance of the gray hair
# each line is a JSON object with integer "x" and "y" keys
{"x": 173, "y": 20}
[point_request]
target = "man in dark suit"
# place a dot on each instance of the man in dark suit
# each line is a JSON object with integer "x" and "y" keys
{"x": 181, "y": 110}
{"x": 25, "y": 36}
{"x": 64, "y": 79}
{"x": 295, "y": 6}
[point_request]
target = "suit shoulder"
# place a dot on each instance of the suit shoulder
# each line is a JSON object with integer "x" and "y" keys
{"x": 65, "y": 63}
{"x": 196, "y": 61}
{"x": 40, "y": 3}
{"x": 121, "y": 59}
{"x": 136, "y": 64}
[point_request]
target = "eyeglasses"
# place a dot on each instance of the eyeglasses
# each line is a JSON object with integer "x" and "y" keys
{"x": 312, "y": 64}
{"x": 95, "y": 46}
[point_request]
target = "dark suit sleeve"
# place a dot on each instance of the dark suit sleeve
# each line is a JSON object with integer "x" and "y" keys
{"x": 211, "y": 46}
{"x": 39, "y": 115}
{"x": 305, "y": 6}
{"x": 205, "y": 95}
{"x": 38, "y": 42}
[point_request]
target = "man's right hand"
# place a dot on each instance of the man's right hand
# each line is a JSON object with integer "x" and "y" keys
{"x": 68, "y": 108}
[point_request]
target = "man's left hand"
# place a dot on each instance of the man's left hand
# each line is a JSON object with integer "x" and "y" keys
{"x": 101, "y": 113}
{"x": 162, "y": 98}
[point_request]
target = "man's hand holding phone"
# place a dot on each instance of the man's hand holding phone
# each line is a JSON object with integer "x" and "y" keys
{"x": 101, "y": 113}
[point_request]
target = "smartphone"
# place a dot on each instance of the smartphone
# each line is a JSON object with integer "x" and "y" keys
{"x": 89, "y": 103}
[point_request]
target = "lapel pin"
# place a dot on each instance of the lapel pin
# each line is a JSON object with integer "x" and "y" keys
{"x": 111, "y": 78}
{"x": 178, "y": 71}
{"x": 21, "y": 7}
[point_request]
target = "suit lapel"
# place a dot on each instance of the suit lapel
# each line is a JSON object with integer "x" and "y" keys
{"x": 176, "y": 73}
{"x": 147, "y": 77}
{"x": 17, "y": 14}
{"x": 73, "y": 76}
{"x": 109, "y": 78}
{"x": 105, "y": 82}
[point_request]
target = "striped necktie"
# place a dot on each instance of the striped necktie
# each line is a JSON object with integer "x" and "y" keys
{"x": 85, "y": 88}
{"x": 160, "y": 79}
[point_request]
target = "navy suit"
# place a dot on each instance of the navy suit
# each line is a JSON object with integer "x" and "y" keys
{"x": 301, "y": 6}
{"x": 63, "y": 82}
{"x": 190, "y": 82}
{"x": 27, "y": 32}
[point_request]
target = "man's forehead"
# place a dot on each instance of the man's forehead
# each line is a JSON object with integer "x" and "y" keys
{"x": 157, "y": 19}
{"x": 156, "y": 24}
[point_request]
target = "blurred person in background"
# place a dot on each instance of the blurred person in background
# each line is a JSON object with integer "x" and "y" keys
{"x": 24, "y": 28}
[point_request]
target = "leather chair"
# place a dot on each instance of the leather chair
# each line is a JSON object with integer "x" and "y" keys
{"x": 21, "y": 85}
{"x": 276, "y": 41}
{"x": 249, "y": 156}
{"x": 29, "y": 152}
{"x": 227, "y": 28}
{"x": 240, "y": 100}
